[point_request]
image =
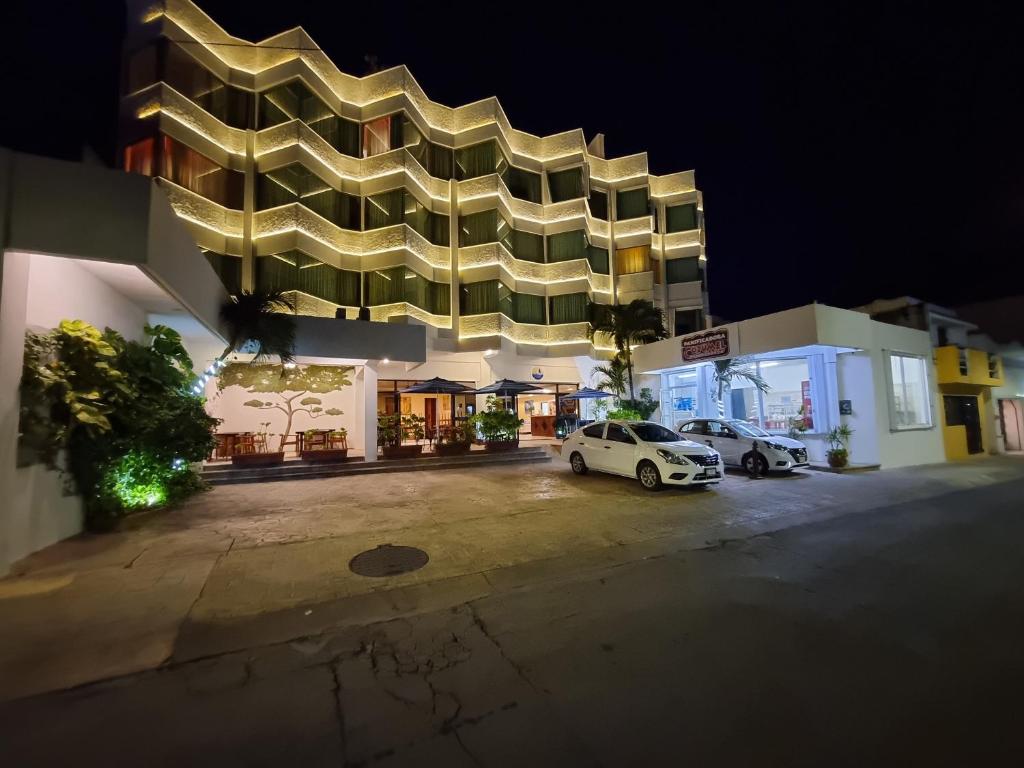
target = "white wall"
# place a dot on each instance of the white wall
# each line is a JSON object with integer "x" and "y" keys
{"x": 229, "y": 405}
{"x": 62, "y": 289}
{"x": 855, "y": 378}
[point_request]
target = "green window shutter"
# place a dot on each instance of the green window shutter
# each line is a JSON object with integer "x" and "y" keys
{"x": 505, "y": 305}
{"x": 228, "y": 269}
{"x": 348, "y": 288}
{"x": 570, "y": 308}
{"x": 385, "y": 209}
{"x": 440, "y": 162}
{"x": 478, "y": 228}
{"x": 477, "y": 160}
{"x": 522, "y": 184}
{"x": 528, "y": 308}
{"x": 567, "y": 246}
{"x": 528, "y": 246}
{"x": 565, "y": 185}
{"x": 396, "y": 130}
{"x": 684, "y": 270}
{"x": 631, "y": 204}
{"x": 385, "y": 286}
{"x": 479, "y": 298}
{"x": 598, "y": 258}
{"x": 599, "y": 204}
{"x": 348, "y": 137}
{"x": 441, "y": 298}
{"x": 681, "y": 218}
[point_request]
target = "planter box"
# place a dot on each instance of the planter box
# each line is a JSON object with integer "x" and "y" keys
{"x": 257, "y": 459}
{"x": 327, "y": 454}
{"x": 401, "y": 451}
{"x": 837, "y": 461}
{"x": 451, "y": 449}
{"x": 497, "y": 446}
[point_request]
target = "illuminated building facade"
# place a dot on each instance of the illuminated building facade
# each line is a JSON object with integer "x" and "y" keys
{"x": 361, "y": 192}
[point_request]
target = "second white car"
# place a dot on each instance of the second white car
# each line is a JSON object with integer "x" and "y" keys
{"x": 653, "y": 454}
{"x": 734, "y": 439}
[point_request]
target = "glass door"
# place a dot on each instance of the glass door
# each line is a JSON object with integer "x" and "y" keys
{"x": 680, "y": 397}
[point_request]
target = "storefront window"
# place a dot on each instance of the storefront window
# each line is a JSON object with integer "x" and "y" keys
{"x": 681, "y": 397}
{"x": 908, "y": 393}
{"x": 788, "y": 397}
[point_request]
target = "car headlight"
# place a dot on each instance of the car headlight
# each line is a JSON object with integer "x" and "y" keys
{"x": 776, "y": 446}
{"x": 671, "y": 457}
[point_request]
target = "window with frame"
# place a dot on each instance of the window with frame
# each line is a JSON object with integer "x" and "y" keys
{"x": 565, "y": 185}
{"x": 382, "y": 135}
{"x": 687, "y": 321}
{"x": 681, "y": 218}
{"x": 522, "y": 184}
{"x": 598, "y": 202}
{"x": 909, "y": 406}
{"x": 594, "y": 430}
{"x": 789, "y": 396}
{"x": 682, "y": 270}
{"x": 631, "y": 203}
{"x": 198, "y": 173}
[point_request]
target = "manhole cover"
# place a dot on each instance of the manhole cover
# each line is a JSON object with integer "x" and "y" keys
{"x": 387, "y": 560}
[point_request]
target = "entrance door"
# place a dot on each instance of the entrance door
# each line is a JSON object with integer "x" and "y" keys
{"x": 962, "y": 410}
{"x": 430, "y": 414}
{"x": 1012, "y": 414}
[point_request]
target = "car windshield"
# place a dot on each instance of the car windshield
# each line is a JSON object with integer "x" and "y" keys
{"x": 747, "y": 429}
{"x": 654, "y": 433}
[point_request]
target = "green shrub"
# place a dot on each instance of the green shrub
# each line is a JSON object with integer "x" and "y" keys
{"x": 497, "y": 424}
{"x": 122, "y": 413}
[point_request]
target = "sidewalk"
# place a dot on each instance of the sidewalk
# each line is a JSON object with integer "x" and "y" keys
{"x": 246, "y": 566}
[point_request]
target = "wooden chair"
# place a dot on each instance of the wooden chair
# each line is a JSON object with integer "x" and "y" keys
{"x": 260, "y": 442}
{"x": 316, "y": 440}
{"x": 296, "y": 441}
{"x": 245, "y": 443}
{"x": 340, "y": 442}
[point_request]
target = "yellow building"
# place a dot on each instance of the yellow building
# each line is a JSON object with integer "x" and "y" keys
{"x": 966, "y": 375}
{"x": 966, "y": 378}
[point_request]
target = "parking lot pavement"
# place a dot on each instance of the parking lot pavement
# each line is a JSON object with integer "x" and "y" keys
{"x": 269, "y": 562}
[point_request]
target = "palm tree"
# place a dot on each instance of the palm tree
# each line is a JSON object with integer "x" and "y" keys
{"x": 614, "y": 374}
{"x": 732, "y": 369}
{"x": 635, "y": 323}
{"x": 257, "y": 318}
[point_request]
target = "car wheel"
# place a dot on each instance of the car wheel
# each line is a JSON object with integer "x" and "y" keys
{"x": 579, "y": 466}
{"x": 748, "y": 464}
{"x": 650, "y": 477}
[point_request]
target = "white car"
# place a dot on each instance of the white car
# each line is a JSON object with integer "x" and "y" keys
{"x": 734, "y": 439}
{"x": 642, "y": 449}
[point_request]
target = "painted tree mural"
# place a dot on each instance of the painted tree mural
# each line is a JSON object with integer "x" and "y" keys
{"x": 299, "y": 383}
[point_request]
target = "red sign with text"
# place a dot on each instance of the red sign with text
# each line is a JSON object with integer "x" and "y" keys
{"x": 706, "y": 345}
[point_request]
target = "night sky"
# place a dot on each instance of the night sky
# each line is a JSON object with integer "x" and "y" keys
{"x": 845, "y": 151}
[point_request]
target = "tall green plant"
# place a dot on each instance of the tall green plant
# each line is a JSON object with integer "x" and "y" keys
{"x": 734, "y": 369}
{"x": 497, "y": 424}
{"x": 256, "y": 319}
{"x": 638, "y": 322}
{"x": 119, "y": 411}
{"x": 613, "y": 376}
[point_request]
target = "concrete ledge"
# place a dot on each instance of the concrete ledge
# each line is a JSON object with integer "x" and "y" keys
{"x": 843, "y": 470}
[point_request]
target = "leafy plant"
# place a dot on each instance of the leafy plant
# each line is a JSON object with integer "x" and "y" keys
{"x": 614, "y": 376}
{"x": 838, "y": 439}
{"x": 462, "y": 433}
{"x": 389, "y": 429}
{"x": 268, "y": 378}
{"x": 625, "y": 414}
{"x": 256, "y": 320}
{"x": 638, "y": 322}
{"x": 497, "y": 424}
{"x": 734, "y": 369}
{"x": 414, "y": 427}
{"x": 119, "y": 412}
{"x": 643, "y": 406}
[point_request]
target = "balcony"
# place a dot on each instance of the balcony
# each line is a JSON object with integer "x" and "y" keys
{"x": 974, "y": 367}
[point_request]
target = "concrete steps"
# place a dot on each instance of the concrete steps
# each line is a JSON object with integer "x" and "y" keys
{"x": 300, "y": 470}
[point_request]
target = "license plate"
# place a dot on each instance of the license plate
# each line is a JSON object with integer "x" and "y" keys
{"x": 711, "y": 473}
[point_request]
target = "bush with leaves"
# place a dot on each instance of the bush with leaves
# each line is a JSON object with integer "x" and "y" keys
{"x": 121, "y": 413}
{"x": 643, "y": 406}
{"x": 497, "y": 424}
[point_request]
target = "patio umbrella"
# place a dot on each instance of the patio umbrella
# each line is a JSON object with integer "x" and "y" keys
{"x": 506, "y": 388}
{"x": 586, "y": 393}
{"x": 438, "y": 386}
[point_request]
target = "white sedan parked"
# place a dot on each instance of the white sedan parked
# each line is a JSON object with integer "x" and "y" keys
{"x": 734, "y": 439}
{"x": 644, "y": 450}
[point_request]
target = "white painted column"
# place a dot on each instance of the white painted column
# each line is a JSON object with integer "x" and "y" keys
{"x": 369, "y": 405}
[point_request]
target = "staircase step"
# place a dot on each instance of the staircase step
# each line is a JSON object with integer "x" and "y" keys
{"x": 303, "y": 470}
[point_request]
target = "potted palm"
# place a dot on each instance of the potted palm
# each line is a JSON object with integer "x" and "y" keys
{"x": 393, "y": 428}
{"x": 456, "y": 441}
{"x": 838, "y": 453}
{"x": 499, "y": 427}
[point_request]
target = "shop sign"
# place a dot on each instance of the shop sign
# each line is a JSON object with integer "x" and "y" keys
{"x": 846, "y": 407}
{"x": 706, "y": 345}
{"x": 537, "y": 374}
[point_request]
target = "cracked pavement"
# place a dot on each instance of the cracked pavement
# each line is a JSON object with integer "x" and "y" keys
{"x": 882, "y": 629}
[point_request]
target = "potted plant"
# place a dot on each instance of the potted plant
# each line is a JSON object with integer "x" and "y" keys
{"x": 838, "y": 453}
{"x": 393, "y": 428}
{"x": 456, "y": 441}
{"x": 335, "y": 449}
{"x": 499, "y": 427}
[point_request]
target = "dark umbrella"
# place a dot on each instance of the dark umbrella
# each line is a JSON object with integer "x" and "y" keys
{"x": 586, "y": 393}
{"x": 506, "y": 388}
{"x": 438, "y": 386}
